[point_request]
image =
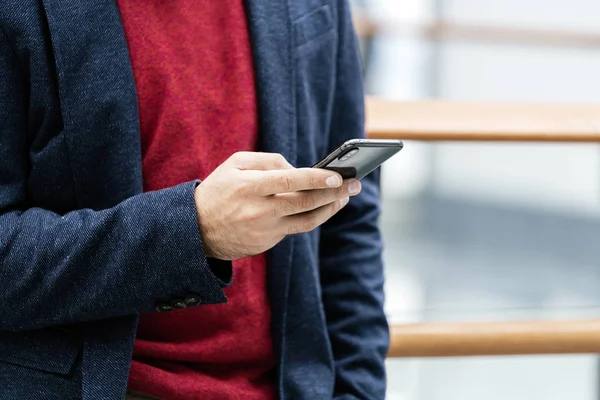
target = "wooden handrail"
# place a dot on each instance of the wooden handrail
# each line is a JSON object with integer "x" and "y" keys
{"x": 452, "y": 121}
{"x": 497, "y": 338}
{"x": 477, "y": 121}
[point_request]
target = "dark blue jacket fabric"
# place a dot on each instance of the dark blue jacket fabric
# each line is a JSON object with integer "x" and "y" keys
{"x": 83, "y": 251}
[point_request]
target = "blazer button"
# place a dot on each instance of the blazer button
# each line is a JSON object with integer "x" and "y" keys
{"x": 193, "y": 299}
{"x": 178, "y": 304}
{"x": 163, "y": 307}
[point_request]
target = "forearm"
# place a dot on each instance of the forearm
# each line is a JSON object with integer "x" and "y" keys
{"x": 87, "y": 265}
{"x": 91, "y": 265}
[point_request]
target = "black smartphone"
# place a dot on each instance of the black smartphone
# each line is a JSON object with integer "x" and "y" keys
{"x": 358, "y": 157}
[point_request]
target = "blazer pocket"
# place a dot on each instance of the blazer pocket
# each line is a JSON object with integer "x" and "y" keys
{"x": 312, "y": 29}
{"x": 52, "y": 350}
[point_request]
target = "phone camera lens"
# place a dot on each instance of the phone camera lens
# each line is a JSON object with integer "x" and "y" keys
{"x": 349, "y": 154}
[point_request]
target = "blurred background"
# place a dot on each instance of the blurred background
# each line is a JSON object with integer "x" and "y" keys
{"x": 485, "y": 232}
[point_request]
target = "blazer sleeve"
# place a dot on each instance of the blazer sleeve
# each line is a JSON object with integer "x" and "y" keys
{"x": 90, "y": 265}
{"x": 350, "y": 248}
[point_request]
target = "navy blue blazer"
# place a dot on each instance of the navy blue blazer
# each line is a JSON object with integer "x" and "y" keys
{"x": 83, "y": 251}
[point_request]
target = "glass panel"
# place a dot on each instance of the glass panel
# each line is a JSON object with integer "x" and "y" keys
{"x": 459, "y": 261}
{"x": 494, "y": 378}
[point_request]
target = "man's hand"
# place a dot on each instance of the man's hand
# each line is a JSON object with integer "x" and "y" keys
{"x": 253, "y": 200}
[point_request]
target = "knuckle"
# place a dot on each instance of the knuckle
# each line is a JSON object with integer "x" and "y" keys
{"x": 306, "y": 202}
{"x": 315, "y": 182}
{"x": 292, "y": 229}
{"x": 285, "y": 183}
{"x": 341, "y": 191}
{"x": 237, "y": 155}
{"x": 280, "y": 159}
{"x": 309, "y": 224}
{"x": 251, "y": 214}
{"x": 276, "y": 210}
{"x": 243, "y": 187}
{"x": 284, "y": 206}
{"x": 336, "y": 206}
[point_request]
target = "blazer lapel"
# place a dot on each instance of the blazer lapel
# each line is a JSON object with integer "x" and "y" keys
{"x": 270, "y": 28}
{"x": 98, "y": 100}
{"x": 101, "y": 127}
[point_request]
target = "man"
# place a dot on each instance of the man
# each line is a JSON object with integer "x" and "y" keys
{"x": 115, "y": 261}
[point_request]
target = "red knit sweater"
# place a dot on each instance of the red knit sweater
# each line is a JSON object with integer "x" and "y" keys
{"x": 193, "y": 70}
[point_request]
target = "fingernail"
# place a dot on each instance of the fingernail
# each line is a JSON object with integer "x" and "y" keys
{"x": 345, "y": 201}
{"x": 354, "y": 187}
{"x": 333, "y": 181}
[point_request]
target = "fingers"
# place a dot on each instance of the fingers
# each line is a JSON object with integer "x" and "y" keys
{"x": 306, "y": 222}
{"x": 245, "y": 160}
{"x": 294, "y": 180}
{"x": 299, "y": 202}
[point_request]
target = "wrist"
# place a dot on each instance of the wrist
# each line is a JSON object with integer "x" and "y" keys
{"x": 202, "y": 225}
